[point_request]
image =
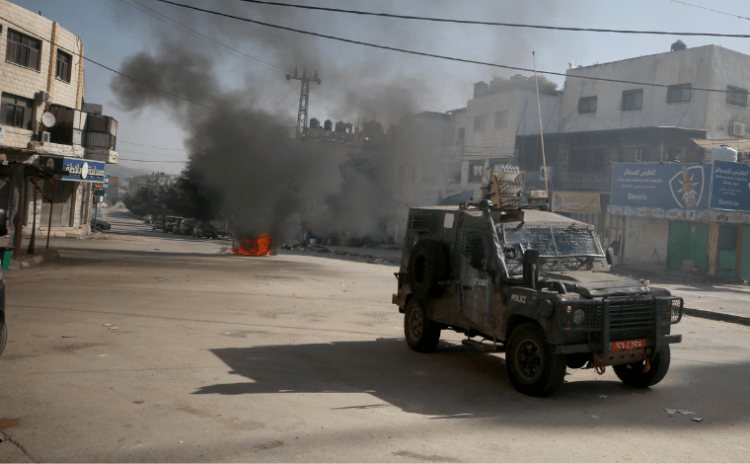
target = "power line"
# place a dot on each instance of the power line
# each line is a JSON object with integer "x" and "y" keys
{"x": 709, "y": 9}
{"x": 432, "y": 55}
{"x": 499, "y": 24}
{"x": 257, "y": 61}
{"x": 152, "y": 161}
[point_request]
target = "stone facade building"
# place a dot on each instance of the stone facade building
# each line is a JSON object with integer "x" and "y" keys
{"x": 48, "y": 135}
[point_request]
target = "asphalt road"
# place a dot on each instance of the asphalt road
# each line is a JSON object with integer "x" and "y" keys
{"x": 144, "y": 346}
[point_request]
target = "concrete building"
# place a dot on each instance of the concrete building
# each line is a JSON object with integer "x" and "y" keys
{"x": 48, "y": 136}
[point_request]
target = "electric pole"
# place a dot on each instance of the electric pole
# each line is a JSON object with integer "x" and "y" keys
{"x": 304, "y": 97}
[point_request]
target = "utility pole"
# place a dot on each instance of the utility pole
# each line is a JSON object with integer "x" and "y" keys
{"x": 304, "y": 97}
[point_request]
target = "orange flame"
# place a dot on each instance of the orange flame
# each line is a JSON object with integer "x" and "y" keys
{"x": 260, "y": 246}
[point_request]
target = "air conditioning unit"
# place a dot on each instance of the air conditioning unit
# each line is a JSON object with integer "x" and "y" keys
{"x": 44, "y": 97}
{"x": 738, "y": 129}
{"x": 44, "y": 137}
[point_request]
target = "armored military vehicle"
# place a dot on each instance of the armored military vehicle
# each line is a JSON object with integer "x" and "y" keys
{"x": 533, "y": 284}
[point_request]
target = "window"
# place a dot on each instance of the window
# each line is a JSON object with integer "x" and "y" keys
{"x": 679, "y": 93}
{"x": 632, "y": 99}
{"x": 63, "y": 66}
{"x": 587, "y": 105}
{"x": 16, "y": 111}
{"x": 476, "y": 171}
{"x": 736, "y": 96}
{"x": 480, "y": 122}
{"x": 461, "y": 134}
{"x": 501, "y": 119}
{"x": 23, "y": 50}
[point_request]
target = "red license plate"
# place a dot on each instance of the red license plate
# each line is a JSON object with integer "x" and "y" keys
{"x": 628, "y": 345}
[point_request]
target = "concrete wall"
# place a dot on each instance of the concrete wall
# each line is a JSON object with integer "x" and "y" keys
{"x": 646, "y": 242}
{"x": 25, "y": 82}
{"x": 692, "y": 66}
{"x": 729, "y": 68}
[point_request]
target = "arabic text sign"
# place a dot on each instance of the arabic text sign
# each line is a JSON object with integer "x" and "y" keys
{"x": 576, "y": 202}
{"x": 731, "y": 186}
{"x": 656, "y": 185}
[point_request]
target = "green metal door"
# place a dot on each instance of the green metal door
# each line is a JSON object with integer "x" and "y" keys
{"x": 727, "y": 251}
{"x": 745, "y": 260}
{"x": 688, "y": 244}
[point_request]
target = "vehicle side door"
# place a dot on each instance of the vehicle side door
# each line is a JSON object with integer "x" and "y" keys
{"x": 474, "y": 277}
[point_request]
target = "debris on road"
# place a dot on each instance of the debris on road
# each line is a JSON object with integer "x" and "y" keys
{"x": 670, "y": 411}
{"x": 601, "y": 396}
{"x": 106, "y": 325}
{"x": 595, "y": 417}
{"x": 697, "y": 419}
{"x": 113, "y": 328}
{"x": 686, "y": 412}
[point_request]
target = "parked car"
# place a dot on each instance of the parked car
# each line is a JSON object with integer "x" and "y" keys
{"x": 157, "y": 225}
{"x": 170, "y": 223}
{"x": 205, "y": 229}
{"x": 186, "y": 226}
{"x": 98, "y": 224}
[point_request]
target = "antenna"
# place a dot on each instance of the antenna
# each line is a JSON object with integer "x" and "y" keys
{"x": 541, "y": 129}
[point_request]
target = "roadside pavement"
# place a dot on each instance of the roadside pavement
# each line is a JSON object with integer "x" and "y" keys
{"x": 706, "y": 298}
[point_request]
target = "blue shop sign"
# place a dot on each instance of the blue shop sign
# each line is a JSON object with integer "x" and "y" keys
{"x": 665, "y": 187}
{"x": 730, "y": 189}
{"x": 76, "y": 170}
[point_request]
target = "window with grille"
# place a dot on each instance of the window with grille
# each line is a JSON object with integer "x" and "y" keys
{"x": 23, "y": 50}
{"x": 632, "y": 99}
{"x": 16, "y": 111}
{"x": 476, "y": 171}
{"x": 480, "y": 122}
{"x": 501, "y": 119}
{"x": 64, "y": 61}
{"x": 679, "y": 93}
{"x": 587, "y": 104}
{"x": 737, "y": 96}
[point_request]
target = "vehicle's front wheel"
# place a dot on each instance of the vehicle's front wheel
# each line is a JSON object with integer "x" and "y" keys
{"x": 633, "y": 375}
{"x": 3, "y": 336}
{"x": 533, "y": 367}
{"x": 422, "y": 334}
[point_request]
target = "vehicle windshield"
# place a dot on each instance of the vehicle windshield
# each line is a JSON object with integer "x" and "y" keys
{"x": 551, "y": 242}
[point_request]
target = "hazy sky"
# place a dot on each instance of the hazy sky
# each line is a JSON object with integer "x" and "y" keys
{"x": 360, "y": 82}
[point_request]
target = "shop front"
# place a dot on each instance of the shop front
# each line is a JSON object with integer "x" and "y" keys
{"x": 684, "y": 217}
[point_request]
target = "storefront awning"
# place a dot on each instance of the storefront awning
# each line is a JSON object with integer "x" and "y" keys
{"x": 738, "y": 144}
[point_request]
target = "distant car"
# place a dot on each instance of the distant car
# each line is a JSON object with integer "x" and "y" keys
{"x": 98, "y": 224}
{"x": 186, "y": 226}
{"x": 158, "y": 225}
{"x": 170, "y": 223}
{"x": 205, "y": 229}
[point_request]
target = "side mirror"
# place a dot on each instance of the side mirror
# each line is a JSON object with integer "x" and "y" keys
{"x": 531, "y": 268}
{"x": 610, "y": 256}
{"x": 3, "y": 225}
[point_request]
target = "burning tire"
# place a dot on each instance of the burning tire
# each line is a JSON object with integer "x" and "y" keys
{"x": 428, "y": 265}
{"x": 533, "y": 367}
{"x": 422, "y": 334}
{"x": 633, "y": 375}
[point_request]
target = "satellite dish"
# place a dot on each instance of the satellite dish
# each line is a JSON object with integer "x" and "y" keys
{"x": 48, "y": 119}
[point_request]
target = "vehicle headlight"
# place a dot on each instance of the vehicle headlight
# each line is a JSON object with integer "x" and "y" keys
{"x": 578, "y": 316}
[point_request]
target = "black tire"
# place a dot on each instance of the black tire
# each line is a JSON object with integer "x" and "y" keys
{"x": 633, "y": 375}
{"x": 3, "y": 336}
{"x": 99, "y": 227}
{"x": 533, "y": 367}
{"x": 428, "y": 265}
{"x": 422, "y": 334}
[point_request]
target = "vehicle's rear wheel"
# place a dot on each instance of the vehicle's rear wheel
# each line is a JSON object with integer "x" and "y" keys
{"x": 422, "y": 334}
{"x": 533, "y": 367}
{"x": 3, "y": 336}
{"x": 633, "y": 375}
{"x": 428, "y": 265}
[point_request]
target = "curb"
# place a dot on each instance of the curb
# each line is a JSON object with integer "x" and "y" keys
{"x": 28, "y": 261}
{"x": 714, "y": 316}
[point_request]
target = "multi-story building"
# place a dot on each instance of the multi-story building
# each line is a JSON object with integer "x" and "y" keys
{"x": 655, "y": 111}
{"x": 48, "y": 137}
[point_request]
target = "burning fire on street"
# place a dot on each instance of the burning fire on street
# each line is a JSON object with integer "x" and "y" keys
{"x": 259, "y": 246}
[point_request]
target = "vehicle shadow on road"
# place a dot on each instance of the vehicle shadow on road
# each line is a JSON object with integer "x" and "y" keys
{"x": 458, "y": 382}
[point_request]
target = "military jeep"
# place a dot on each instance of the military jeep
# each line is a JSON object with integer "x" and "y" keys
{"x": 535, "y": 285}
